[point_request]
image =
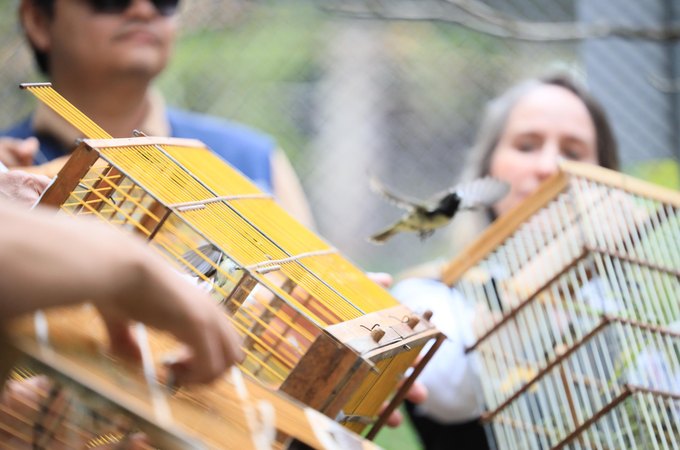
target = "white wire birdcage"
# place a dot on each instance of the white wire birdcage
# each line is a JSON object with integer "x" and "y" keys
{"x": 577, "y": 294}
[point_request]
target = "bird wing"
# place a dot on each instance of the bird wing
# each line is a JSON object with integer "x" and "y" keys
{"x": 481, "y": 192}
{"x": 399, "y": 201}
{"x": 195, "y": 262}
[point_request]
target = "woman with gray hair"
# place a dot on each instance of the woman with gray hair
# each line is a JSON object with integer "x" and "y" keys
{"x": 489, "y": 146}
{"x": 523, "y": 135}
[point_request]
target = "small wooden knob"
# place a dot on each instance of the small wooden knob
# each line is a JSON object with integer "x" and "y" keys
{"x": 377, "y": 333}
{"x": 412, "y": 321}
{"x": 427, "y": 315}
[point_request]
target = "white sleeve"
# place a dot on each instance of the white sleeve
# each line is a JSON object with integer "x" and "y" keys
{"x": 451, "y": 376}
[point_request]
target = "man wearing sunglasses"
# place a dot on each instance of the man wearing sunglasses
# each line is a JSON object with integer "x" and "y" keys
{"x": 103, "y": 55}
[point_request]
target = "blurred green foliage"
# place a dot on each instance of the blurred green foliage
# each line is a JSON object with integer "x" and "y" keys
{"x": 401, "y": 438}
{"x": 664, "y": 172}
{"x": 248, "y": 71}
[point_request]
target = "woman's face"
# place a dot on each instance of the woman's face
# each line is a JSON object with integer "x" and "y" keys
{"x": 548, "y": 123}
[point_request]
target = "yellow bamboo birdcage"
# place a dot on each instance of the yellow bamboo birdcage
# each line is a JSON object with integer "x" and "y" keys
{"x": 314, "y": 326}
{"x": 65, "y": 391}
{"x": 578, "y": 329}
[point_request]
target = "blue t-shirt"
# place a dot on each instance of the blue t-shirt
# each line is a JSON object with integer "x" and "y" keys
{"x": 245, "y": 149}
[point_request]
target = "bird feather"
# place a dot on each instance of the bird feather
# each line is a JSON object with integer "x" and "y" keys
{"x": 481, "y": 192}
{"x": 397, "y": 200}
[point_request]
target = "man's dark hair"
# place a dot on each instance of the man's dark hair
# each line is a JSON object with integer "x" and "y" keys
{"x": 41, "y": 58}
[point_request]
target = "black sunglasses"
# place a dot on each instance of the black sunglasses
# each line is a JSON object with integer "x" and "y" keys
{"x": 164, "y": 7}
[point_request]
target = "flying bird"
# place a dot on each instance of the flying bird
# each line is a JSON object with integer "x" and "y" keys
{"x": 425, "y": 217}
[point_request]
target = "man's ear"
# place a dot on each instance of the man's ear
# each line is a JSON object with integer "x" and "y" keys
{"x": 35, "y": 23}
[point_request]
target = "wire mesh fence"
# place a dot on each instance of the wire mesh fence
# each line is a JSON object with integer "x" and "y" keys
{"x": 395, "y": 88}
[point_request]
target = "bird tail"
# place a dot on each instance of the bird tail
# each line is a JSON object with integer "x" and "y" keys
{"x": 381, "y": 237}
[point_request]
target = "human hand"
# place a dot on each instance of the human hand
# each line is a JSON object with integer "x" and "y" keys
{"x": 162, "y": 299}
{"x": 66, "y": 261}
{"x": 18, "y": 152}
{"x": 383, "y": 279}
{"x": 22, "y": 187}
